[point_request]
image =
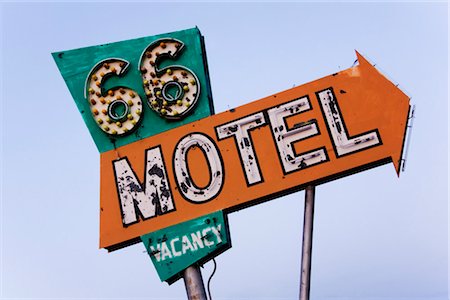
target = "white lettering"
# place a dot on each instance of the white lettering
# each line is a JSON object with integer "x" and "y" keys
{"x": 172, "y": 246}
{"x": 186, "y": 245}
{"x": 343, "y": 144}
{"x": 284, "y": 137}
{"x": 197, "y": 240}
{"x": 156, "y": 252}
{"x": 134, "y": 199}
{"x": 186, "y": 185}
{"x": 216, "y": 231}
{"x": 189, "y": 243}
{"x": 240, "y": 131}
{"x": 205, "y": 237}
{"x": 165, "y": 252}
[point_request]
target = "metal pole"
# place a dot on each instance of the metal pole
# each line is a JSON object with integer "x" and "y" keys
{"x": 305, "y": 276}
{"x": 194, "y": 283}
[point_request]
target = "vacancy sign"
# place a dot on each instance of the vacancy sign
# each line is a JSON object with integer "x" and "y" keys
{"x": 177, "y": 247}
{"x": 338, "y": 125}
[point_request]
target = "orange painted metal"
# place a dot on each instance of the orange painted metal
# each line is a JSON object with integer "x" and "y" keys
{"x": 367, "y": 101}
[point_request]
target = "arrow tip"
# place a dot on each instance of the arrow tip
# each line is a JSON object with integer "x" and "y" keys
{"x": 361, "y": 59}
{"x": 398, "y": 103}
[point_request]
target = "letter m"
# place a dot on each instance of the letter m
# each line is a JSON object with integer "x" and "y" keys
{"x": 152, "y": 197}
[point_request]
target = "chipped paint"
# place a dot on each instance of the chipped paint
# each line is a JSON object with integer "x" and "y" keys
{"x": 292, "y": 143}
{"x": 344, "y": 144}
{"x": 159, "y": 82}
{"x": 154, "y": 198}
{"x": 239, "y": 130}
{"x": 285, "y": 137}
{"x": 103, "y": 104}
{"x": 188, "y": 188}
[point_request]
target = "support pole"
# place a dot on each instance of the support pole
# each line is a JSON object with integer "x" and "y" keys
{"x": 194, "y": 283}
{"x": 305, "y": 276}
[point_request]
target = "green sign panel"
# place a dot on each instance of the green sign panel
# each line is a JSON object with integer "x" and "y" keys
{"x": 175, "y": 248}
{"x": 130, "y": 90}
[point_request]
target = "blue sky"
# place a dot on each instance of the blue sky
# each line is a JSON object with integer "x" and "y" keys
{"x": 376, "y": 236}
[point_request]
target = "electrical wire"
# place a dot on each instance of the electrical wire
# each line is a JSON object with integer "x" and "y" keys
{"x": 210, "y": 277}
{"x": 411, "y": 118}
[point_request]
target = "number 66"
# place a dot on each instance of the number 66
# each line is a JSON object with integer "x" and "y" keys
{"x": 171, "y": 92}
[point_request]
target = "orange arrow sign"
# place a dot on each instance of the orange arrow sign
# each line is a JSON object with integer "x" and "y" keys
{"x": 323, "y": 130}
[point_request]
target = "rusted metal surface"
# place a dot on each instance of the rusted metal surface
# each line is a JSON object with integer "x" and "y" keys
{"x": 193, "y": 281}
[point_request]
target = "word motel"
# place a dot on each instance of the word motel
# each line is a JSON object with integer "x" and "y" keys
{"x": 335, "y": 126}
{"x": 154, "y": 196}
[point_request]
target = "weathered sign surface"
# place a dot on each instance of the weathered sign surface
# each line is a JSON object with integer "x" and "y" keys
{"x": 177, "y": 247}
{"x": 133, "y": 89}
{"x": 332, "y": 127}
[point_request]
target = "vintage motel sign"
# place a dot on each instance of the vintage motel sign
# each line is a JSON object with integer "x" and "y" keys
{"x": 335, "y": 126}
{"x": 177, "y": 247}
{"x": 130, "y": 90}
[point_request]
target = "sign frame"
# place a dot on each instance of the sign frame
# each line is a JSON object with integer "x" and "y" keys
{"x": 347, "y": 85}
